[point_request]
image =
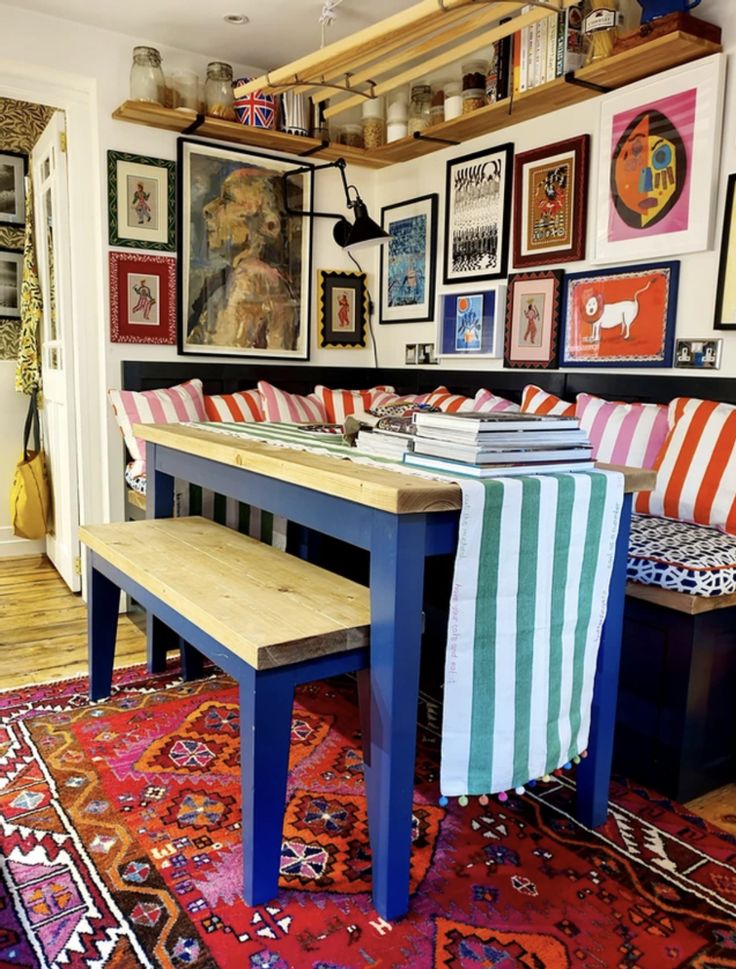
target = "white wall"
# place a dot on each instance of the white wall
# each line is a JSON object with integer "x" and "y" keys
{"x": 51, "y": 45}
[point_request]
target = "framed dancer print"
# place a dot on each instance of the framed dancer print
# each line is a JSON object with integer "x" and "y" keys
{"x": 408, "y": 261}
{"x": 477, "y": 215}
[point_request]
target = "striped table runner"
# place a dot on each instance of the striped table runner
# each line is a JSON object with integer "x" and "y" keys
{"x": 529, "y": 598}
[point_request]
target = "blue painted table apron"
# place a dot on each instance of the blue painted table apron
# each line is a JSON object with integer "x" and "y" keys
{"x": 398, "y": 545}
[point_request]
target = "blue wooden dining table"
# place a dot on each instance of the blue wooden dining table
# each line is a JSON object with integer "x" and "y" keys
{"x": 401, "y": 520}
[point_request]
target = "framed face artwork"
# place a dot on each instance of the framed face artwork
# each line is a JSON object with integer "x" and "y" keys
{"x": 550, "y": 203}
{"x": 620, "y": 317}
{"x": 11, "y": 278}
{"x": 142, "y": 300}
{"x": 343, "y": 299}
{"x": 244, "y": 262}
{"x": 141, "y": 202}
{"x": 725, "y": 314}
{"x": 533, "y": 319}
{"x": 13, "y": 168}
{"x": 658, "y": 159}
{"x": 477, "y": 214}
{"x": 469, "y": 323}
{"x": 408, "y": 261}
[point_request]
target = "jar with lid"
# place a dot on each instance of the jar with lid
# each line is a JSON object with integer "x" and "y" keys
{"x": 473, "y": 98}
{"x": 146, "y": 77}
{"x": 474, "y": 75}
{"x": 374, "y": 126}
{"x": 600, "y": 28}
{"x": 185, "y": 88}
{"x": 453, "y": 100}
{"x": 421, "y": 102}
{"x": 352, "y": 135}
{"x": 218, "y": 91}
{"x": 437, "y": 107}
{"x": 398, "y": 114}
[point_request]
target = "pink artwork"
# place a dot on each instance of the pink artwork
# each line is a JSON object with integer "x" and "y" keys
{"x": 651, "y": 168}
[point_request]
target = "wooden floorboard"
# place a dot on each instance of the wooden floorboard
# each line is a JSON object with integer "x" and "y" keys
{"x": 43, "y": 638}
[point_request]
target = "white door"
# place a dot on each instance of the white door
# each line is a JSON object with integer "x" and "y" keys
{"x": 51, "y": 211}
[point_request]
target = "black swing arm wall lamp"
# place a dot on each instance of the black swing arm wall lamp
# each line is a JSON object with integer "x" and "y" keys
{"x": 363, "y": 232}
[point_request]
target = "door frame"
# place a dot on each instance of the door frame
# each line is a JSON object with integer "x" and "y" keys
{"x": 76, "y": 95}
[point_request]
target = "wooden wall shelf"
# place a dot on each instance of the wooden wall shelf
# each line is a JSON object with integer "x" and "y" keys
{"x": 648, "y": 59}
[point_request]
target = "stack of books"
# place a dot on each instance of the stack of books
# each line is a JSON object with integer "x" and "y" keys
{"x": 391, "y": 437}
{"x": 490, "y": 445}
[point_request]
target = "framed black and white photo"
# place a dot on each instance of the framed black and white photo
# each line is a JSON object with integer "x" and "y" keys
{"x": 477, "y": 215}
{"x": 11, "y": 279}
{"x": 408, "y": 261}
{"x": 13, "y": 168}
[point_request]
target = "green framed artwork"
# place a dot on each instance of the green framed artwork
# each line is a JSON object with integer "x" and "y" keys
{"x": 141, "y": 207}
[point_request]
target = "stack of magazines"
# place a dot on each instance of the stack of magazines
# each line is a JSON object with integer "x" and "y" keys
{"x": 488, "y": 445}
{"x": 391, "y": 437}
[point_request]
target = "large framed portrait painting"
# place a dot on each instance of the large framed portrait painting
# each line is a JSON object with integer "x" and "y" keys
{"x": 244, "y": 261}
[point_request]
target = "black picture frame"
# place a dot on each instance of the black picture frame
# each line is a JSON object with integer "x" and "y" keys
{"x": 409, "y": 260}
{"x": 343, "y": 309}
{"x": 478, "y": 185}
{"x": 11, "y": 280}
{"x": 727, "y": 262}
{"x": 13, "y": 170}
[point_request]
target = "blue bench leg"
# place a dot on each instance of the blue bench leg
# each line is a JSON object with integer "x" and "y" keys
{"x": 594, "y": 773}
{"x": 192, "y": 661}
{"x": 364, "y": 709}
{"x": 103, "y": 602}
{"x": 159, "y": 504}
{"x": 266, "y": 700}
{"x": 159, "y": 640}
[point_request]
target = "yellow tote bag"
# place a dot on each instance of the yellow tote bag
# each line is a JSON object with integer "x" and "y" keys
{"x": 30, "y": 501}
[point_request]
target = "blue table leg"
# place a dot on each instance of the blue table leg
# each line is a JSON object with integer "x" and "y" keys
{"x": 396, "y": 583}
{"x": 265, "y": 734}
{"x": 192, "y": 661}
{"x": 103, "y": 602}
{"x": 159, "y": 504}
{"x": 594, "y": 772}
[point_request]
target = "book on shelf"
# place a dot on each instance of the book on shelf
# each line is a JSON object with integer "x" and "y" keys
{"x": 570, "y": 40}
{"x": 495, "y": 470}
{"x": 510, "y": 454}
{"x": 471, "y": 424}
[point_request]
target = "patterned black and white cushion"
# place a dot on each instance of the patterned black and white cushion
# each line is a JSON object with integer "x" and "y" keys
{"x": 676, "y": 555}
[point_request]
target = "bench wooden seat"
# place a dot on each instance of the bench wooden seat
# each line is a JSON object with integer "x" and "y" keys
{"x": 268, "y": 619}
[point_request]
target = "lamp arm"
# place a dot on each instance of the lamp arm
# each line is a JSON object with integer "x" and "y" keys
{"x": 338, "y": 163}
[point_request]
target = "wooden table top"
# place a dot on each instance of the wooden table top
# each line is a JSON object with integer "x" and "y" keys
{"x": 385, "y": 490}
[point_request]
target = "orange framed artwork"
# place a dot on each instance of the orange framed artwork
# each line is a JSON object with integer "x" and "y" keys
{"x": 620, "y": 317}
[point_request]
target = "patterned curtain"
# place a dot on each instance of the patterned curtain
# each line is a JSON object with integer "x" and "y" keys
{"x": 28, "y": 368}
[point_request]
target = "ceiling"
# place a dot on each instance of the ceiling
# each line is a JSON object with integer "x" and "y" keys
{"x": 279, "y": 30}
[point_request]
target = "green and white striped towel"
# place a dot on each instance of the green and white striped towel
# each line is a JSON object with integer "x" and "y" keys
{"x": 529, "y": 597}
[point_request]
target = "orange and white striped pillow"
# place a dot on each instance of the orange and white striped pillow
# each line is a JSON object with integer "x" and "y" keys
{"x": 278, "y": 405}
{"x": 242, "y": 406}
{"x": 696, "y": 468}
{"x": 534, "y": 400}
{"x": 338, "y": 404}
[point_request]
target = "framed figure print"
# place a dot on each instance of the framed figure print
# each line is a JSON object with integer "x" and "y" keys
{"x": 11, "y": 279}
{"x": 13, "y": 170}
{"x": 658, "y": 155}
{"x": 408, "y": 261}
{"x": 533, "y": 319}
{"x": 140, "y": 202}
{"x": 620, "y": 317}
{"x": 725, "y": 315}
{"x": 469, "y": 324}
{"x": 142, "y": 298}
{"x": 244, "y": 262}
{"x": 477, "y": 215}
{"x": 343, "y": 301}
{"x": 550, "y": 203}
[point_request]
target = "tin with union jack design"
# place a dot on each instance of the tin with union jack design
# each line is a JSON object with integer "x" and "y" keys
{"x": 255, "y": 109}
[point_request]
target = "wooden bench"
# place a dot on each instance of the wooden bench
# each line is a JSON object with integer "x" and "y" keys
{"x": 676, "y": 719}
{"x": 268, "y": 619}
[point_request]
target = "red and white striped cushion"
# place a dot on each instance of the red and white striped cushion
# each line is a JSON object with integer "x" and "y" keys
{"x": 629, "y": 434}
{"x": 339, "y": 403}
{"x": 449, "y": 403}
{"x": 696, "y": 468}
{"x": 169, "y": 405}
{"x": 534, "y": 400}
{"x": 242, "y": 406}
{"x": 487, "y": 402}
{"x": 278, "y": 405}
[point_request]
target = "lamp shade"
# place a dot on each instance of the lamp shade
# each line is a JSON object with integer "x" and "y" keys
{"x": 365, "y": 232}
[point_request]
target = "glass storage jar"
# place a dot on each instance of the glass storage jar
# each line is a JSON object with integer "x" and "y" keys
{"x": 474, "y": 75}
{"x": 374, "y": 125}
{"x": 453, "y": 100}
{"x": 352, "y": 135}
{"x": 146, "y": 77}
{"x": 437, "y": 108}
{"x": 398, "y": 114}
{"x": 185, "y": 86}
{"x": 421, "y": 102}
{"x": 218, "y": 91}
{"x": 473, "y": 98}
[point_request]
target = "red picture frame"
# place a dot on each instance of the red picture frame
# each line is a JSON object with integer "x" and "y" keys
{"x": 142, "y": 298}
{"x": 551, "y": 203}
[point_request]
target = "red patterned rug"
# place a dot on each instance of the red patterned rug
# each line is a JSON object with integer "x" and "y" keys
{"x": 120, "y": 828}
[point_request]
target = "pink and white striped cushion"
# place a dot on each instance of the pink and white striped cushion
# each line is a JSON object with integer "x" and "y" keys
{"x": 629, "y": 434}
{"x": 534, "y": 400}
{"x": 278, "y": 405}
{"x": 242, "y": 406}
{"x": 487, "y": 402}
{"x": 338, "y": 404}
{"x": 169, "y": 405}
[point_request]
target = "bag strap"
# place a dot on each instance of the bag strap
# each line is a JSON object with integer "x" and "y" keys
{"x": 32, "y": 420}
